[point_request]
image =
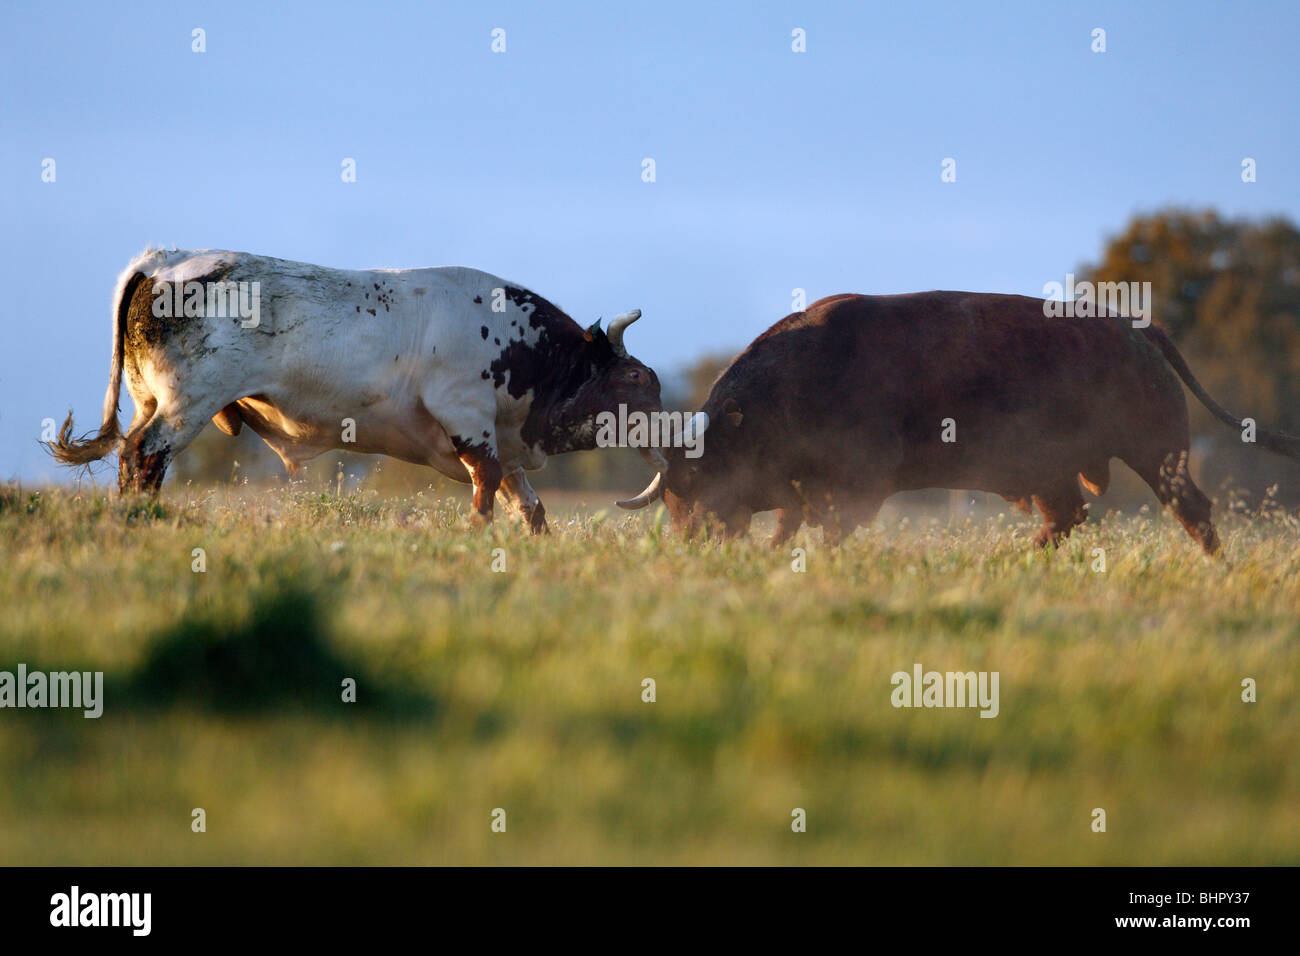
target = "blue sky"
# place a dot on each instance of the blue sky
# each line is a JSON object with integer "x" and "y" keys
{"x": 775, "y": 170}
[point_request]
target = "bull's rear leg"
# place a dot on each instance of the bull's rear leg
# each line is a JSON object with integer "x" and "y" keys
{"x": 139, "y": 470}
{"x": 1172, "y": 482}
{"x": 229, "y": 419}
{"x": 480, "y": 460}
{"x": 1062, "y": 508}
{"x": 1021, "y": 502}
{"x": 151, "y": 446}
{"x": 521, "y": 496}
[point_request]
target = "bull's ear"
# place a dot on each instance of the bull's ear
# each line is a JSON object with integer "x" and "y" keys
{"x": 731, "y": 409}
{"x": 593, "y": 330}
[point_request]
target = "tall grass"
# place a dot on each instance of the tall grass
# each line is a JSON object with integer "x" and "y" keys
{"x": 523, "y": 690}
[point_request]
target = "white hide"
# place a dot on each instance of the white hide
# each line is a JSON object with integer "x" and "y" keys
{"x": 410, "y": 375}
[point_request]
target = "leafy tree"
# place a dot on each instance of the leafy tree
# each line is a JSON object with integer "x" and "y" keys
{"x": 1228, "y": 293}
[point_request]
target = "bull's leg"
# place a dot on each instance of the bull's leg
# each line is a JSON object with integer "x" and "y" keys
{"x": 480, "y": 459}
{"x": 735, "y": 524}
{"x": 1022, "y": 503}
{"x": 1172, "y": 482}
{"x": 820, "y": 509}
{"x": 519, "y": 494}
{"x": 1062, "y": 508}
{"x": 788, "y": 521}
{"x": 727, "y": 525}
{"x": 229, "y": 419}
{"x": 130, "y": 462}
{"x": 470, "y": 425}
{"x": 150, "y": 447}
{"x": 847, "y": 515}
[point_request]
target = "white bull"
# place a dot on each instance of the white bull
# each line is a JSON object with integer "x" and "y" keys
{"x": 451, "y": 367}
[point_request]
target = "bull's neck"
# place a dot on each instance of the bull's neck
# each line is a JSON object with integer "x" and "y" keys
{"x": 557, "y": 421}
{"x": 568, "y": 428}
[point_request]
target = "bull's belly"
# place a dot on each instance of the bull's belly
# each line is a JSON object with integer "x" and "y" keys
{"x": 299, "y": 434}
{"x": 1014, "y": 470}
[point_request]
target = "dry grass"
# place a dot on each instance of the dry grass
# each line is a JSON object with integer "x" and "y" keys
{"x": 522, "y": 689}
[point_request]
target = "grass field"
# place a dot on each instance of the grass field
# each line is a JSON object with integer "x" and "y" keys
{"x": 522, "y": 689}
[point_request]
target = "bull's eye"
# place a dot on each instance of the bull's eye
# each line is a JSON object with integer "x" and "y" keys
{"x": 633, "y": 375}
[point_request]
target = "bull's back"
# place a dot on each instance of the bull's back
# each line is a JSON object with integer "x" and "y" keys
{"x": 319, "y": 328}
{"x": 882, "y": 381}
{"x": 383, "y": 348}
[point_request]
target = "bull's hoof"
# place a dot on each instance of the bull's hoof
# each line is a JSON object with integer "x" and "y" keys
{"x": 537, "y": 523}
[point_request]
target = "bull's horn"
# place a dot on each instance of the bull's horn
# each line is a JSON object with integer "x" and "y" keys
{"x": 652, "y": 491}
{"x": 616, "y": 327}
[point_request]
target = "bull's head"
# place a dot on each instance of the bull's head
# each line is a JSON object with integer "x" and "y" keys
{"x": 704, "y": 484}
{"x": 608, "y": 377}
{"x": 625, "y": 381}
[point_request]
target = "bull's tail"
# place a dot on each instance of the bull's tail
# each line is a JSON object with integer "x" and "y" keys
{"x": 1275, "y": 441}
{"x": 81, "y": 451}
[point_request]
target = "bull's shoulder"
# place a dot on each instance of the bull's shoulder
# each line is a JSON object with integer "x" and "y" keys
{"x": 820, "y": 314}
{"x": 469, "y": 279}
{"x": 502, "y": 295}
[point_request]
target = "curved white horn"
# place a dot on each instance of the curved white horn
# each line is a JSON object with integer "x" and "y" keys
{"x": 652, "y": 491}
{"x": 617, "y": 326}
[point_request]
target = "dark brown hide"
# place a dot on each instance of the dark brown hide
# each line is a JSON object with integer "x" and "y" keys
{"x": 833, "y": 409}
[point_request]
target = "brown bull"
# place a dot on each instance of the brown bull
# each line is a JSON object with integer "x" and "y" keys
{"x": 834, "y": 409}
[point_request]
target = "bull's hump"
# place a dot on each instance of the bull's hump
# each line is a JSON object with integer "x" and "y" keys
{"x": 855, "y": 308}
{"x": 832, "y": 299}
